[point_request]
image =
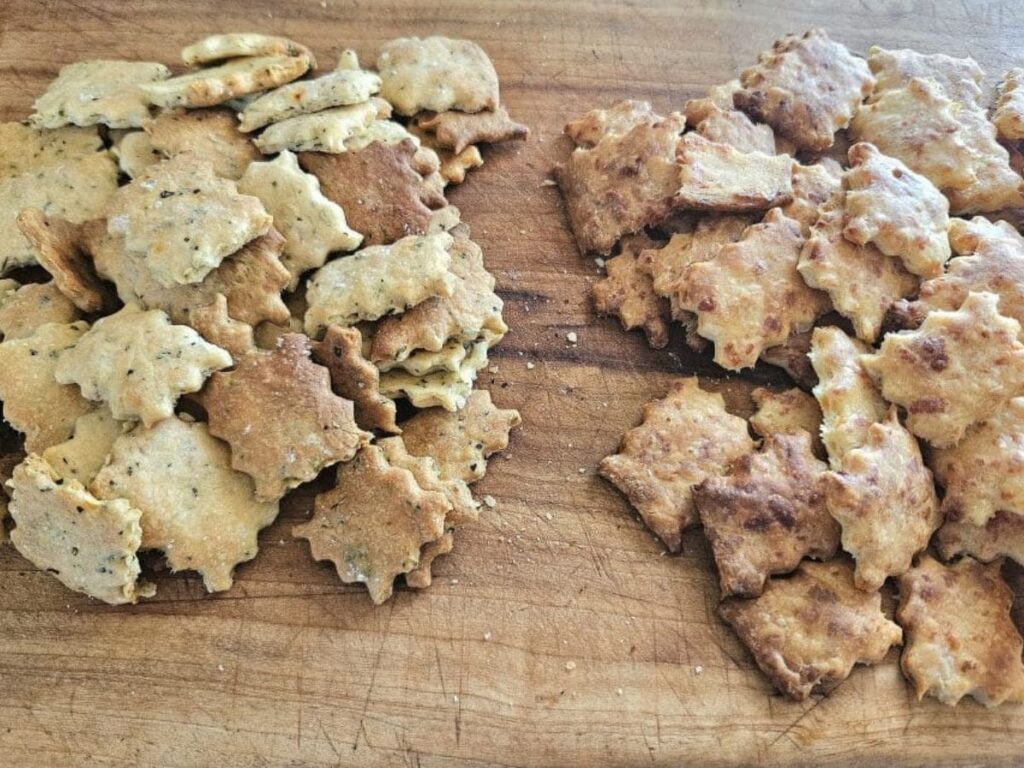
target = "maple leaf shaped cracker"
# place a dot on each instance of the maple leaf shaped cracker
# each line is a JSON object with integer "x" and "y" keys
{"x": 25, "y": 308}
{"x": 458, "y": 130}
{"x": 330, "y": 130}
{"x": 766, "y": 514}
{"x": 1002, "y": 535}
{"x": 725, "y": 125}
{"x": 340, "y": 88}
{"x": 898, "y": 210}
{"x": 211, "y": 134}
{"x": 280, "y": 417}
{"x": 786, "y": 412}
{"x": 355, "y": 378}
{"x": 421, "y": 577}
{"x": 751, "y": 297}
{"x": 806, "y": 88}
{"x": 196, "y": 509}
{"x": 807, "y": 631}
{"x": 884, "y": 498}
{"x": 628, "y": 292}
{"x": 958, "y": 368}
{"x": 984, "y": 473}
{"x": 719, "y": 177}
{"x": 1008, "y": 117}
{"x": 961, "y": 640}
{"x": 684, "y": 438}
{"x": 426, "y": 470}
{"x": 813, "y": 186}
{"x": 960, "y": 78}
{"x": 372, "y": 524}
{"x": 138, "y": 363}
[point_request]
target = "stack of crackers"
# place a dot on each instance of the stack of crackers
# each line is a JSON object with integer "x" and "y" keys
{"x": 846, "y": 219}
{"x": 220, "y": 284}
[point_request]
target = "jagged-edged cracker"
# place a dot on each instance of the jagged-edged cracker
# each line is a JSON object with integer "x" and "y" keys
{"x": 807, "y": 632}
{"x": 807, "y": 88}
{"x": 997, "y": 185}
{"x": 437, "y": 74}
{"x": 458, "y": 130}
{"x": 453, "y": 168}
{"x": 372, "y": 524}
{"x": 422, "y": 362}
{"x": 960, "y": 78}
{"x": 628, "y": 293}
{"x": 766, "y": 514}
{"x": 619, "y": 119}
{"x": 792, "y": 357}
{"x": 813, "y": 186}
{"x": 719, "y": 177}
{"x": 1002, "y": 535}
{"x": 861, "y": 281}
{"x": 958, "y": 368}
{"x": 384, "y": 197}
{"x": 421, "y": 577}
{"x": 81, "y": 457}
{"x": 27, "y": 307}
{"x": 326, "y": 131}
{"x": 90, "y": 545}
{"x": 464, "y": 508}
{"x": 215, "y": 85}
{"x": 33, "y": 402}
{"x": 135, "y": 153}
{"x": 462, "y": 441}
{"x": 379, "y": 280}
{"x": 961, "y": 640}
{"x": 684, "y": 438}
{"x": 238, "y": 45}
{"x": 211, "y": 134}
{"x": 196, "y": 509}
{"x": 215, "y": 324}
{"x": 443, "y": 388}
{"x": 786, "y": 412}
{"x": 355, "y": 378}
{"x": 897, "y": 210}
{"x": 185, "y": 219}
{"x": 340, "y": 88}
{"x": 750, "y": 296}
{"x": 850, "y": 402}
{"x": 1008, "y": 117}
{"x": 624, "y": 183}
{"x": 729, "y": 126}
{"x": 312, "y": 226}
{"x": 280, "y": 417}
{"x": 884, "y": 499}
{"x": 984, "y": 473}
{"x": 100, "y": 91}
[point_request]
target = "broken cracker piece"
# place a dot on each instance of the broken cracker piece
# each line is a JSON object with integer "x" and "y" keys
{"x": 813, "y": 186}
{"x": 81, "y": 457}
{"x": 25, "y": 308}
{"x": 456, "y": 130}
{"x": 719, "y": 177}
{"x": 215, "y": 85}
{"x": 729, "y": 126}
{"x": 340, "y": 88}
{"x": 619, "y": 119}
{"x": 1001, "y": 536}
{"x": 1008, "y": 117}
{"x": 787, "y": 412}
{"x": 240, "y": 45}
{"x": 960, "y": 78}
{"x": 211, "y": 134}
{"x": 135, "y": 153}
{"x": 628, "y": 293}
{"x": 215, "y": 324}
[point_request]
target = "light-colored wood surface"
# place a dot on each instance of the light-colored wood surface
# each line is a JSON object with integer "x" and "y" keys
{"x": 557, "y": 633}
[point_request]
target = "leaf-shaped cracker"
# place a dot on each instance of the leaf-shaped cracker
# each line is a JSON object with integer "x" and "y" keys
{"x": 729, "y": 126}
{"x": 861, "y": 281}
{"x": 81, "y": 457}
{"x": 785, "y": 412}
{"x": 437, "y": 74}
{"x": 464, "y": 508}
{"x": 900, "y": 211}
{"x": 806, "y": 88}
{"x": 458, "y": 130}
{"x": 421, "y": 577}
{"x": 448, "y": 389}
{"x": 329, "y": 130}
{"x": 453, "y": 167}
{"x": 58, "y": 250}
{"x": 460, "y": 442}
{"x": 997, "y": 186}
{"x": 1009, "y": 115}
{"x": 884, "y": 498}
{"x": 215, "y": 85}
{"x": 138, "y": 363}
{"x": 1002, "y": 535}
{"x": 372, "y": 524}
{"x": 218, "y": 327}
{"x": 195, "y": 508}
{"x": 33, "y": 402}
{"x": 766, "y": 514}
{"x": 379, "y": 280}
{"x": 813, "y": 186}
{"x": 719, "y": 177}
{"x": 958, "y": 368}
{"x": 185, "y": 219}
{"x": 211, "y": 134}
{"x": 684, "y": 438}
{"x": 25, "y": 308}
{"x": 623, "y": 184}
{"x": 984, "y": 472}
{"x": 622, "y": 117}
{"x": 961, "y": 640}
{"x": 312, "y": 225}
{"x": 98, "y": 91}
{"x": 89, "y": 545}
{"x": 751, "y": 297}
{"x": 278, "y": 413}
{"x": 340, "y": 88}
{"x": 383, "y": 196}
{"x": 807, "y": 631}
{"x": 628, "y": 293}
{"x": 236, "y": 45}
{"x": 850, "y": 402}
{"x": 355, "y": 378}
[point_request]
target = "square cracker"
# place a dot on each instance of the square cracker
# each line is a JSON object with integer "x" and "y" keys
{"x": 98, "y": 92}
{"x": 215, "y": 85}
{"x": 340, "y": 88}
{"x": 211, "y": 134}
{"x": 719, "y": 177}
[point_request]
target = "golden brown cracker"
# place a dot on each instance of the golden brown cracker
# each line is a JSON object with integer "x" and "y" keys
{"x": 331, "y": 130}
{"x": 813, "y": 186}
{"x": 1008, "y": 117}
{"x": 1001, "y": 536}
{"x": 214, "y": 85}
{"x": 340, "y": 88}
{"x": 729, "y": 126}
{"x": 785, "y": 412}
{"x": 25, "y": 308}
{"x": 211, "y": 134}
{"x": 238, "y": 45}
{"x": 458, "y": 130}
{"x": 421, "y": 577}
{"x": 628, "y": 293}
{"x": 426, "y": 470}
{"x": 719, "y": 177}
{"x": 619, "y": 119}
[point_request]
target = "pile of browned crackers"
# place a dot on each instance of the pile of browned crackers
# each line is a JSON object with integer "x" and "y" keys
{"x": 846, "y": 219}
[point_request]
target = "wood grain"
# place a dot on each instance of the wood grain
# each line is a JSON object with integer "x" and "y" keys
{"x": 290, "y": 668}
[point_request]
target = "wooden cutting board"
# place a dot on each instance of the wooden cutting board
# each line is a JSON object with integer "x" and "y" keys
{"x": 558, "y": 633}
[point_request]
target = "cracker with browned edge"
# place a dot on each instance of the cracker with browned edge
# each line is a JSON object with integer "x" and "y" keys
{"x": 426, "y": 470}
{"x": 355, "y": 378}
{"x": 91, "y": 546}
{"x": 1001, "y": 536}
{"x": 340, "y": 88}
{"x": 724, "y": 125}
{"x": 961, "y": 640}
{"x": 791, "y": 356}
{"x": 620, "y": 118}
{"x": 785, "y": 412}
{"x": 330, "y": 130}
{"x": 98, "y": 92}
{"x": 215, "y": 324}
{"x": 807, "y": 632}
{"x": 421, "y": 576}
{"x": 27, "y": 307}
{"x": 240, "y": 45}
{"x": 806, "y": 88}
{"x": 1008, "y": 117}
{"x": 82, "y": 456}
{"x": 684, "y": 438}
{"x": 372, "y": 524}
{"x": 719, "y": 177}
{"x": 813, "y": 186}
{"x": 277, "y": 412}
{"x": 214, "y": 85}
{"x": 628, "y": 293}
{"x": 458, "y": 130}
{"x": 211, "y": 134}
{"x": 766, "y": 514}
{"x": 958, "y": 368}
{"x": 196, "y": 509}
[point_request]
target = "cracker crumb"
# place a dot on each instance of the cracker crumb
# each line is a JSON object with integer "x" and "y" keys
{"x": 571, "y": 337}
{"x": 487, "y": 637}
{"x": 548, "y": 516}
{"x": 570, "y": 666}
{"x": 600, "y": 262}
{"x": 490, "y": 502}
{"x": 698, "y": 670}
{"x": 618, "y": 692}
{"x": 549, "y": 183}
{"x": 454, "y": 581}
{"x": 583, "y": 470}
{"x": 220, "y": 667}
{"x": 530, "y": 366}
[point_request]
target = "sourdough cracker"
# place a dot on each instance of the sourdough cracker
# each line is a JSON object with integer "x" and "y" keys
{"x": 27, "y": 149}
{"x": 813, "y": 186}
{"x": 214, "y": 323}
{"x": 340, "y": 88}
{"x": 95, "y": 92}
{"x": 457, "y": 131}
{"x": 355, "y": 378}
{"x": 628, "y": 293}
{"x": 960, "y": 78}
{"x": 134, "y": 152}
{"x": 325, "y": 131}
{"x": 997, "y": 185}
{"x": 211, "y": 134}
{"x": 448, "y": 389}
{"x": 1008, "y": 117}
{"x": 729, "y": 126}
{"x": 619, "y": 119}
{"x": 25, "y": 308}
{"x": 787, "y": 412}
{"x": 240, "y": 45}
{"x": 89, "y": 545}
{"x": 421, "y": 577}
{"x": 215, "y": 85}
{"x": 81, "y": 457}
{"x": 719, "y": 177}
{"x": 683, "y": 439}
{"x": 453, "y": 168}
{"x": 426, "y": 470}
{"x": 1001, "y": 536}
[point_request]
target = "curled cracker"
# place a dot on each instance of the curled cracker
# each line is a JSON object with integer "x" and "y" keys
{"x": 340, "y": 88}
{"x": 236, "y": 45}
{"x": 719, "y": 177}
{"x": 448, "y": 388}
{"x": 458, "y": 130}
{"x": 628, "y": 292}
{"x": 215, "y": 85}
{"x": 355, "y": 378}
{"x": 211, "y": 134}
{"x": 421, "y": 577}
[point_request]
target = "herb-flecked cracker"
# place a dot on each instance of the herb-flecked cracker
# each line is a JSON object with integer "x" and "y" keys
{"x": 98, "y": 92}
{"x": 27, "y": 307}
{"x": 329, "y": 130}
{"x": 240, "y": 45}
{"x": 81, "y": 457}
{"x": 340, "y": 88}
{"x": 426, "y": 470}
{"x": 211, "y": 134}
{"x": 215, "y": 85}
{"x": 448, "y": 389}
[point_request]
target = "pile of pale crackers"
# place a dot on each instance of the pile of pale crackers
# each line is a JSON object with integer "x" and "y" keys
{"x": 219, "y": 284}
{"x": 852, "y": 221}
